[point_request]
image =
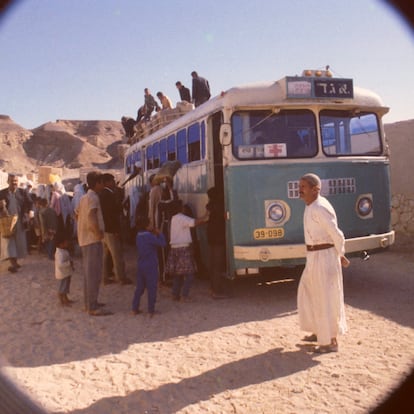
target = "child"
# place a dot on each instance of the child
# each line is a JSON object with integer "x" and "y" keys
{"x": 63, "y": 269}
{"x": 48, "y": 225}
{"x": 147, "y": 243}
{"x": 181, "y": 263}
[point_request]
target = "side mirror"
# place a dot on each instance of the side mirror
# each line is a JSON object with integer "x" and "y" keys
{"x": 225, "y": 134}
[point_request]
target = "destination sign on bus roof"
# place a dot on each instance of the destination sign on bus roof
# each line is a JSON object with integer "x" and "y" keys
{"x": 306, "y": 87}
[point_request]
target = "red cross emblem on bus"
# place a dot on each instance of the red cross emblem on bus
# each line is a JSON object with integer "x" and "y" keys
{"x": 275, "y": 150}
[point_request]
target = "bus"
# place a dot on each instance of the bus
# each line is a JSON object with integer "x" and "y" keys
{"x": 253, "y": 143}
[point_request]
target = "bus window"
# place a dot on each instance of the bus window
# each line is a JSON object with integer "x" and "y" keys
{"x": 194, "y": 153}
{"x": 163, "y": 151}
{"x": 348, "y": 133}
{"x": 264, "y": 134}
{"x": 156, "y": 155}
{"x": 182, "y": 146}
{"x": 128, "y": 164}
{"x": 150, "y": 164}
{"x": 171, "y": 150}
{"x": 136, "y": 157}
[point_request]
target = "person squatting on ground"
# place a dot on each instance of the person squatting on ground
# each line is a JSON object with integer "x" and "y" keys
{"x": 320, "y": 294}
{"x": 181, "y": 262}
{"x": 90, "y": 236}
{"x": 63, "y": 268}
{"x": 147, "y": 243}
{"x": 17, "y": 202}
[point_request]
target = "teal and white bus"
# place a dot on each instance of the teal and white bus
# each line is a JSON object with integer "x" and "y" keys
{"x": 253, "y": 143}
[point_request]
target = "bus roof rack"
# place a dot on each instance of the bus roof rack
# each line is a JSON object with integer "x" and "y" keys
{"x": 159, "y": 120}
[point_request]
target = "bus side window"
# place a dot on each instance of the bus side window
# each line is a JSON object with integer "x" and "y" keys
{"x": 128, "y": 164}
{"x": 171, "y": 148}
{"x": 156, "y": 155}
{"x": 182, "y": 146}
{"x": 194, "y": 152}
{"x": 150, "y": 164}
{"x": 163, "y": 151}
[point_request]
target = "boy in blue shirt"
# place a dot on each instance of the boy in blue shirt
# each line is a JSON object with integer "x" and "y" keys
{"x": 147, "y": 243}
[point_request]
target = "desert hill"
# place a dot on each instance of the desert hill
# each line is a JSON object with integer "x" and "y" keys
{"x": 66, "y": 144}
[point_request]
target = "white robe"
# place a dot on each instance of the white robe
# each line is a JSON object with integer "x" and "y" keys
{"x": 320, "y": 294}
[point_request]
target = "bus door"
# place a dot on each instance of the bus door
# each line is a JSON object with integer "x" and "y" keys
{"x": 215, "y": 122}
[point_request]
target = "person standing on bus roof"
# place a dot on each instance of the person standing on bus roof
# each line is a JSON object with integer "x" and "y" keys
{"x": 320, "y": 294}
{"x": 185, "y": 95}
{"x": 201, "y": 89}
{"x": 149, "y": 105}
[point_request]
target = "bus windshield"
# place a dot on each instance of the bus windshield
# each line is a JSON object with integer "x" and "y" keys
{"x": 260, "y": 134}
{"x": 347, "y": 133}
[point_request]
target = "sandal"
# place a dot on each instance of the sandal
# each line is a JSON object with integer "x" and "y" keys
{"x": 310, "y": 338}
{"x": 325, "y": 349}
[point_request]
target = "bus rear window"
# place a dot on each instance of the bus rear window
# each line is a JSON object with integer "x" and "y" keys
{"x": 350, "y": 133}
{"x": 264, "y": 134}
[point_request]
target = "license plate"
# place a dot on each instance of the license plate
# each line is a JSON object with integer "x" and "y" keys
{"x": 264, "y": 234}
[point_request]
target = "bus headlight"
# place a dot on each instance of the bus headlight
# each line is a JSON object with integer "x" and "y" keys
{"x": 364, "y": 206}
{"x": 276, "y": 212}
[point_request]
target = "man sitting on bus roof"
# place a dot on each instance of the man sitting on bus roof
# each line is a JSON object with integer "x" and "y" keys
{"x": 165, "y": 101}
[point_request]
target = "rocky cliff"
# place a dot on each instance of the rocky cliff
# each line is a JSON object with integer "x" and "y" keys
{"x": 66, "y": 144}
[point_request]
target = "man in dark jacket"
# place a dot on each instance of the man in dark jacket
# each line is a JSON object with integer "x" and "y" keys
{"x": 111, "y": 212}
{"x": 184, "y": 92}
{"x": 18, "y": 203}
{"x": 201, "y": 89}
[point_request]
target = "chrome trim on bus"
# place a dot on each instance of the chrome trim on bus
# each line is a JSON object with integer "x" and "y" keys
{"x": 297, "y": 251}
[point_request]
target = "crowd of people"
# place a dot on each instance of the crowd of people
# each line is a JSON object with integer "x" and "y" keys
{"x": 92, "y": 220}
{"x": 200, "y": 93}
{"x": 165, "y": 245}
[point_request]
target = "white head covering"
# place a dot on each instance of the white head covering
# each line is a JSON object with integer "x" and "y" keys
{"x": 58, "y": 186}
{"x": 312, "y": 179}
{"x": 78, "y": 192}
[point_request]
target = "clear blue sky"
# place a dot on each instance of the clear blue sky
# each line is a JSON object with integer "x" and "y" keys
{"x": 91, "y": 59}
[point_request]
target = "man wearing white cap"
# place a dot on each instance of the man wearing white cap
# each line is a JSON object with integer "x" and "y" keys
{"x": 320, "y": 295}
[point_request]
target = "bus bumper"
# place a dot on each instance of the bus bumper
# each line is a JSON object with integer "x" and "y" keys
{"x": 285, "y": 252}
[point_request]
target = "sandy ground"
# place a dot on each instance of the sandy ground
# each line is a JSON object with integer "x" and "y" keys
{"x": 241, "y": 355}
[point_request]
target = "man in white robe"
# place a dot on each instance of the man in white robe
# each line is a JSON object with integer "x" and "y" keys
{"x": 320, "y": 295}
